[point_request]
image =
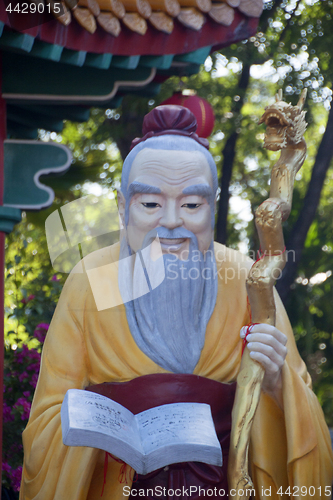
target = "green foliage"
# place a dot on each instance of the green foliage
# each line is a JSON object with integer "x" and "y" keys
{"x": 31, "y": 293}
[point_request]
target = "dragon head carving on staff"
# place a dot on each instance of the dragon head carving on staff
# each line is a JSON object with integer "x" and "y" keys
{"x": 285, "y": 124}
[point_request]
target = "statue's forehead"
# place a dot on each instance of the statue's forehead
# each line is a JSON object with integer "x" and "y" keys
{"x": 170, "y": 164}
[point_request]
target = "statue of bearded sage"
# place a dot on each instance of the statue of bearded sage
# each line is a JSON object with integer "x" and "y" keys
{"x": 172, "y": 336}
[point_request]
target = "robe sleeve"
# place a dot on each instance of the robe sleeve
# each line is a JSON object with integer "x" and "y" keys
{"x": 52, "y": 470}
{"x": 291, "y": 447}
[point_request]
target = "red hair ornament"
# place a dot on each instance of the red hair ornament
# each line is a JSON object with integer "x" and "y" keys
{"x": 170, "y": 120}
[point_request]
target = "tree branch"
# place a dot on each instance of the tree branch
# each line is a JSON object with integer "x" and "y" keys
{"x": 229, "y": 153}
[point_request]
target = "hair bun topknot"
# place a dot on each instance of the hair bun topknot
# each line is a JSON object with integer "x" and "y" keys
{"x": 172, "y": 120}
{"x": 169, "y": 117}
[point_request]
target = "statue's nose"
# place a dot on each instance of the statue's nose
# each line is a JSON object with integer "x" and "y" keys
{"x": 171, "y": 218}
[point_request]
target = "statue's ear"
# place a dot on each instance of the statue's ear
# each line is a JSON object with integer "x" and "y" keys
{"x": 121, "y": 206}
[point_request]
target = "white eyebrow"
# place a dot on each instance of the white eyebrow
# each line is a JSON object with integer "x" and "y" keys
{"x": 139, "y": 187}
{"x": 199, "y": 189}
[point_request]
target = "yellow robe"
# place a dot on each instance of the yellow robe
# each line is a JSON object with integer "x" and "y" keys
{"x": 85, "y": 347}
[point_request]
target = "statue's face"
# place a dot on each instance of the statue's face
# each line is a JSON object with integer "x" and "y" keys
{"x": 171, "y": 189}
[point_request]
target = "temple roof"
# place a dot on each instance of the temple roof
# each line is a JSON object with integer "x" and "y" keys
{"x": 56, "y": 65}
{"x": 134, "y": 27}
{"x": 137, "y": 15}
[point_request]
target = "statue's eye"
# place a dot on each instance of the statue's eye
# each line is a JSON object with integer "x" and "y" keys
{"x": 191, "y": 206}
{"x": 151, "y": 205}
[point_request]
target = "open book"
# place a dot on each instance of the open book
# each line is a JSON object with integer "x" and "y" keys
{"x": 167, "y": 434}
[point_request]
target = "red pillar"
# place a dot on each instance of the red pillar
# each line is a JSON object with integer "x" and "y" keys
{"x": 3, "y": 136}
{"x": 2, "y": 319}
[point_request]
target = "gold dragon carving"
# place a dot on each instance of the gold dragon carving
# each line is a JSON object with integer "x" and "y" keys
{"x": 285, "y": 126}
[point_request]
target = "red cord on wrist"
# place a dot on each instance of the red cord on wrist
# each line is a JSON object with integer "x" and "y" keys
{"x": 248, "y": 331}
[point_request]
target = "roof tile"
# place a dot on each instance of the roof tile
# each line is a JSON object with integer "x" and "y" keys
{"x": 162, "y": 22}
{"x": 109, "y": 22}
{"x": 191, "y": 18}
{"x": 135, "y": 22}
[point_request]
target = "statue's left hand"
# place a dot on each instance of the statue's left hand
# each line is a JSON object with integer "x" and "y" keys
{"x": 267, "y": 345}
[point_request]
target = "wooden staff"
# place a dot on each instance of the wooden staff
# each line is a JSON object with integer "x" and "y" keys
{"x": 285, "y": 126}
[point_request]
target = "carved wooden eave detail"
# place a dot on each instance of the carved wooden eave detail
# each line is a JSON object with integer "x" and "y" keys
{"x": 161, "y": 14}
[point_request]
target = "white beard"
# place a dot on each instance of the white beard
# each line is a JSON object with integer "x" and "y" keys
{"x": 169, "y": 322}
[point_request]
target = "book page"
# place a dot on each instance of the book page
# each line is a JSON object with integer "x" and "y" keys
{"x": 178, "y": 423}
{"x": 89, "y": 411}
